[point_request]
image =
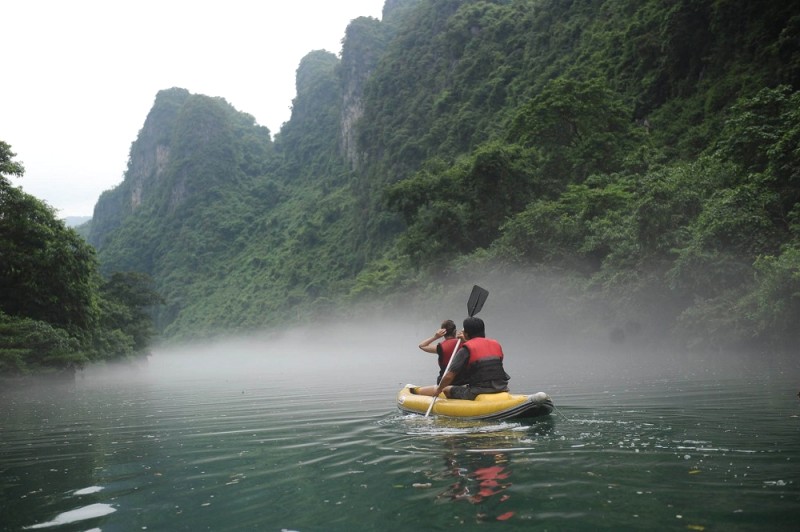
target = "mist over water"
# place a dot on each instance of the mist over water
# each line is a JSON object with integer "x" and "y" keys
{"x": 299, "y": 430}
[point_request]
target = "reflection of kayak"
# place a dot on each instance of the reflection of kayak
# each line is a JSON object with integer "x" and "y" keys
{"x": 501, "y": 405}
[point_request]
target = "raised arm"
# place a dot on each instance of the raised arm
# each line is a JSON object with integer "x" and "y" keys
{"x": 427, "y": 345}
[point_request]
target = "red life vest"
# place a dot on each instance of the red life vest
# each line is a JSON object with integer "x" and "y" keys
{"x": 445, "y": 351}
{"x": 480, "y": 348}
{"x": 485, "y": 363}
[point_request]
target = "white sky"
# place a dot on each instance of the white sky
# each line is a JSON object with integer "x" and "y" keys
{"x": 80, "y": 76}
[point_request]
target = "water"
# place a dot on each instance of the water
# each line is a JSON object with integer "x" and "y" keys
{"x": 220, "y": 438}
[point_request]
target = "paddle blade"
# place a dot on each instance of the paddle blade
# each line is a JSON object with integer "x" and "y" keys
{"x": 476, "y": 300}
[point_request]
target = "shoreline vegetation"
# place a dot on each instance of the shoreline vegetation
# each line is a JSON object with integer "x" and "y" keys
{"x": 57, "y": 312}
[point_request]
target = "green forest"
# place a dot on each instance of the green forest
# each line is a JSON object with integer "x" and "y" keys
{"x": 57, "y": 313}
{"x": 633, "y": 163}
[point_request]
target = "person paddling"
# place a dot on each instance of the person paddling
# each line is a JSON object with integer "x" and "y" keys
{"x": 443, "y": 349}
{"x": 477, "y": 367}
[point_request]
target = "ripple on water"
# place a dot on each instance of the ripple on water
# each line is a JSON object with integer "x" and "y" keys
{"x": 618, "y": 457}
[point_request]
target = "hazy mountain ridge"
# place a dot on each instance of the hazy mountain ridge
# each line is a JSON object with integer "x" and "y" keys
{"x": 459, "y": 133}
{"x": 75, "y": 221}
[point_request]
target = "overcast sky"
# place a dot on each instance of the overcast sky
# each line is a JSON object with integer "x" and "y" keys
{"x": 80, "y": 76}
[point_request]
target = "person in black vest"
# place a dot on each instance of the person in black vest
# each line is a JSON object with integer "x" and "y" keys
{"x": 443, "y": 349}
{"x": 477, "y": 367}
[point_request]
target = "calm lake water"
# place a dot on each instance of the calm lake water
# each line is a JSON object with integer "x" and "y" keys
{"x": 226, "y": 437}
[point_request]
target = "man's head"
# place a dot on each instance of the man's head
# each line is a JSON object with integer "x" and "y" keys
{"x": 474, "y": 328}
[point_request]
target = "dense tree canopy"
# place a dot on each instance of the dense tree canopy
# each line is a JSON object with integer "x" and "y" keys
{"x": 55, "y": 311}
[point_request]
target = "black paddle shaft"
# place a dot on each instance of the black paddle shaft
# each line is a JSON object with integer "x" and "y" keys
{"x": 476, "y": 300}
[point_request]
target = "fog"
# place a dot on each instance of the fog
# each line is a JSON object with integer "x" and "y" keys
{"x": 307, "y": 416}
{"x": 376, "y": 348}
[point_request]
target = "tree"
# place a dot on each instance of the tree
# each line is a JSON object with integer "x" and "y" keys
{"x": 582, "y": 127}
{"x": 47, "y": 271}
{"x": 47, "y": 277}
{"x": 55, "y": 311}
{"x": 27, "y": 344}
{"x": 7, "y": 165}
{"x": 126, "y": 297}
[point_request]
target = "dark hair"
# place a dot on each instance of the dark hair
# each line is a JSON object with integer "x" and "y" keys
{"x": 449, "y": 327}
{"x": 474, "y": 327}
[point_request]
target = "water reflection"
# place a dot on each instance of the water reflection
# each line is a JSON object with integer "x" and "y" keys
{"x": 480, "y": 479}
{"x": 79, "y": 514}
{"x": 478, "y": 463}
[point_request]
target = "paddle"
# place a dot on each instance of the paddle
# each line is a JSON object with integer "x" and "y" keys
{"x": 474, "y": 305}
{"x": 476, "y": 300}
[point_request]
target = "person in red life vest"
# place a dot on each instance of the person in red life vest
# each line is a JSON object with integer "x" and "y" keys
{"x": 477, "y": 367}
{"x": 443, "y": 349}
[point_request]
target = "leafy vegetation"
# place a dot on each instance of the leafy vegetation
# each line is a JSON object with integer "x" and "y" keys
{"x": 56, "y": 312}
{"x": 643, "y": 153}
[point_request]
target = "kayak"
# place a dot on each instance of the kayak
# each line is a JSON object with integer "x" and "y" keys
{"x": 501, "y": 405}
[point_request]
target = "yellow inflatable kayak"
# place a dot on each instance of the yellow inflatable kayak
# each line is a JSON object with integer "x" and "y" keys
{"x": 501, "y": 405}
